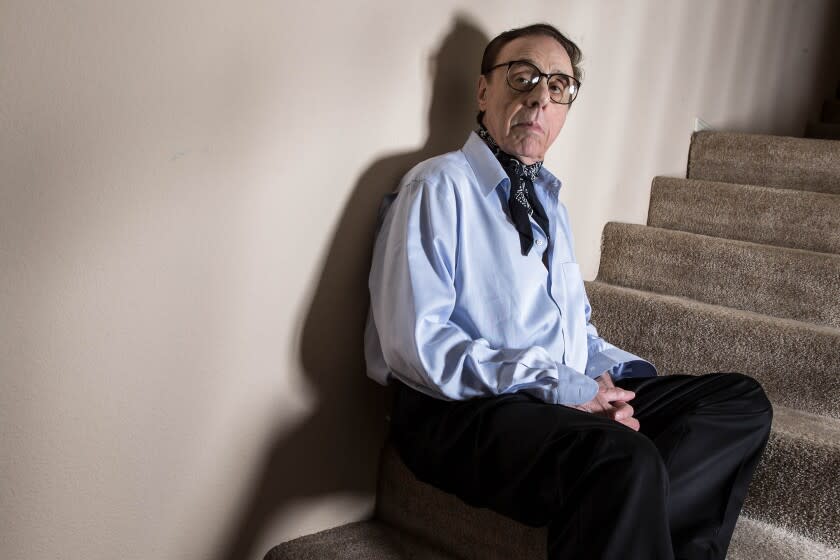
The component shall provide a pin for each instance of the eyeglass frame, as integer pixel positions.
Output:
(541, 75)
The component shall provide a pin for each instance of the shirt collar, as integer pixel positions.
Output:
(491, 174)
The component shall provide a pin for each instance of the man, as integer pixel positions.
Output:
(504, 391)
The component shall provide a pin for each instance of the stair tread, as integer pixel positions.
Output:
(807, 426)
(363, 540)
(778, 161)
(754, 539)
(714, 308)
(766, 215)
(779, 281)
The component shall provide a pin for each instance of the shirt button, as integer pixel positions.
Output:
(539, 242)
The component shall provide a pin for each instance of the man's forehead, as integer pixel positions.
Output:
(544, 51)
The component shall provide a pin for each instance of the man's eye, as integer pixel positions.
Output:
(521, 79)
(560, 82)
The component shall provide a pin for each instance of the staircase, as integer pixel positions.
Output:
(738, 269)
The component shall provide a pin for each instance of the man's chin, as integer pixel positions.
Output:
(528, 155)
(527, 146)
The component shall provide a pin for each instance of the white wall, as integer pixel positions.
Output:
(187, 192)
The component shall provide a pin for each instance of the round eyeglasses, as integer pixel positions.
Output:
(524, 76)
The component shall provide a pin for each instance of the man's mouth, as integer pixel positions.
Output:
(530, 125)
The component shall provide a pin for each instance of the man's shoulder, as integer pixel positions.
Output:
(450, 168)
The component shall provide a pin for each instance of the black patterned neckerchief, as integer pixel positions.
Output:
(522, 202)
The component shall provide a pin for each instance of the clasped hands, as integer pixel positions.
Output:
(612, 402)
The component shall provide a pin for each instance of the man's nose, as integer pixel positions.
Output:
(539, 96)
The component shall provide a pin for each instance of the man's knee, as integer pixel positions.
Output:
(630, 461)
(747, 396)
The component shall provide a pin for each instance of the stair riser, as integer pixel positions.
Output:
(796, 364)
(471, 533)
(773, 161)
(787, 283)
(779, 217)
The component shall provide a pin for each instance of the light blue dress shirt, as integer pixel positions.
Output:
(457, 312)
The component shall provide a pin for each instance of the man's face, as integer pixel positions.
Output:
(524, 124)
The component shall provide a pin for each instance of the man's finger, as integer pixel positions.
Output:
(622, 411)
(631, 423)
(616, 394)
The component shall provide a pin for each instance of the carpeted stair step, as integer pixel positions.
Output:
(481, 534)
(777, 281)
(364, 540)
(796, 362)
(795, 485)
(758, 540)
(823, 130)
(783, 217)
(771, 161)
(831, 111)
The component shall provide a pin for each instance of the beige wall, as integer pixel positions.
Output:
(187, 192)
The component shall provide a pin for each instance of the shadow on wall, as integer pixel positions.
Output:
(336, 449)
(828, 85)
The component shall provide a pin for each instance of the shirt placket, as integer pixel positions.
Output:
(549, 243)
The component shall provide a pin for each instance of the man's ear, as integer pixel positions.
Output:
(482, 93)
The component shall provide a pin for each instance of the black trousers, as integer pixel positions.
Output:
(672, 490)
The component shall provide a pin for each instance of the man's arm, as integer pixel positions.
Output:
(413, 296)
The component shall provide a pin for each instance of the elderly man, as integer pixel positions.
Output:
(505, 393)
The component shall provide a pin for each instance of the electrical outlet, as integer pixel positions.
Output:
(700, 124)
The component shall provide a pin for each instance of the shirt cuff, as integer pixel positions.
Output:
(574, 388)
(619, 363)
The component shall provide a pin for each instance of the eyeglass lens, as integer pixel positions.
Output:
(524, 76)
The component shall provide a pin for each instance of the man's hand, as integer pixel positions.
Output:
(612, 402)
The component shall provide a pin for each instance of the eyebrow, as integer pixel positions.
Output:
(532, 61)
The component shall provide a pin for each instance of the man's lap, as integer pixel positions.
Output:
(492, 452)
(661, 400)
(500, 447)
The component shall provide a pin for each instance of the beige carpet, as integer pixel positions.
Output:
(771, 161)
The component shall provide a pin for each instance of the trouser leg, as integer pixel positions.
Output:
(601, 488)
(710, 431)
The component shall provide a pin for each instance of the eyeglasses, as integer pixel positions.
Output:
(524, 76)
